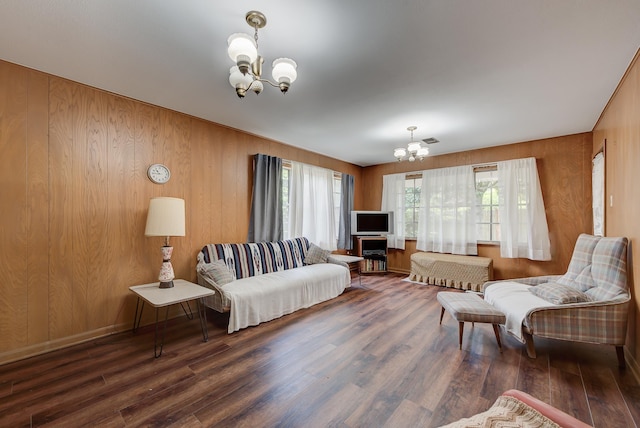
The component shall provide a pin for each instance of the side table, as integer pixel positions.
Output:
(352, 261)
(182, 292)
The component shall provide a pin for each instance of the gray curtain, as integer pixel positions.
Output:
(265, 221)
(346, 206)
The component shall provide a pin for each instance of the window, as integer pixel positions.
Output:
(337, 192)
(412, 186)
(286, 169)
(514, 218)
(488, 224)
(337, 195)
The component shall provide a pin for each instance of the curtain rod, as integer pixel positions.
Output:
(483, 165)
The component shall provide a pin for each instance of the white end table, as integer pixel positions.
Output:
(352, 261)
(182, 291)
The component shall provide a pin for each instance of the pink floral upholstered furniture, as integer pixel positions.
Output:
(589, 303)
(516, 408)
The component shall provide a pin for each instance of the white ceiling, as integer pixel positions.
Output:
(471, 73)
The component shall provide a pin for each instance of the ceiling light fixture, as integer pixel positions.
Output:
(246, 75)
(415, 149)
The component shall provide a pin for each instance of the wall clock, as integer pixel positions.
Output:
(158, 173)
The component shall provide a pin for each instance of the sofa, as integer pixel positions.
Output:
(589, 303)
(261, 281)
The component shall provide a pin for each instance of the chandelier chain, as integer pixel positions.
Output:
(255, 35)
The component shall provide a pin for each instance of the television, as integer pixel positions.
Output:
(371, 222)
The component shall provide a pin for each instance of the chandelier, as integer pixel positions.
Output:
(246, 75)
(415, 149)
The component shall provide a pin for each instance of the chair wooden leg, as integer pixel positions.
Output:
(461, 329)
(620, 354)
(496, 330)
(441, 314)
(531, 350)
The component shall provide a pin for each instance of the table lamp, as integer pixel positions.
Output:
(166, 218)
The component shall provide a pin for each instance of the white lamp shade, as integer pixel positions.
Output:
(422, 152)
(284, 70)
(242, 44)
(165, 217)
(256, 86)
(400, 153)
(237, 78)
(414, 146)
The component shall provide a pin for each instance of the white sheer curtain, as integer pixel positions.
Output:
(393, 199)
(523, 222)
(597, 187)
(447, 218)
(311, 209)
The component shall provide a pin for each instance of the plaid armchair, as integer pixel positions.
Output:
(598, 273)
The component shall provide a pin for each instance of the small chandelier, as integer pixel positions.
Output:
(246, 75)
(414, 148)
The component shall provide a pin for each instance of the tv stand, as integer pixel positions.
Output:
(373, 249)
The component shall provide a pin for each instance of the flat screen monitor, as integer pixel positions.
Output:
(371, 222)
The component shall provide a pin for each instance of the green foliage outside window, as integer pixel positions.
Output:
(488, 221)
(412, 206)
(488, 224)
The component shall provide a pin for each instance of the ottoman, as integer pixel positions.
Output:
(469, 307)
(451, 270)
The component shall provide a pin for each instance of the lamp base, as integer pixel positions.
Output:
(166, 270)
(166, 284)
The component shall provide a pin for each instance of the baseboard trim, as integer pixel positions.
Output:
(632, 364)
(65, 342)
(395, 270)
(76, 339)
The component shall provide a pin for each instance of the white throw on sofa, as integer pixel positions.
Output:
(258, 282)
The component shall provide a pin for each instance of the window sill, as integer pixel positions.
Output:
(487, 243)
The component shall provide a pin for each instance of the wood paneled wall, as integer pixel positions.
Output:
(564, 167)
(74, 197)
(619, 125)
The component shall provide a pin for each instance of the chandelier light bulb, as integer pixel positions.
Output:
(239, 81)
(242, 50)
(422, 152)
(284, 70)
(237, 78)
(414, 146)
(400, 153)
(257, 87)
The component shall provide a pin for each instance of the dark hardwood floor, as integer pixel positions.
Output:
(374, 356)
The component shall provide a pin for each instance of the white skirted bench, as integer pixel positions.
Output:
(451, 270)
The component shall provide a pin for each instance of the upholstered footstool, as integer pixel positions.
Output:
(468, 307)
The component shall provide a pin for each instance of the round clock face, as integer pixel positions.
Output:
(158, 173)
